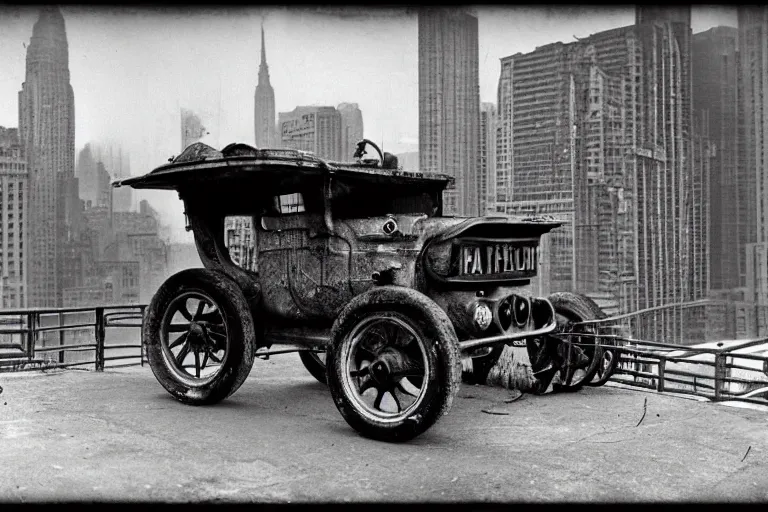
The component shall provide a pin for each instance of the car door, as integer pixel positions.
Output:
(303, 269)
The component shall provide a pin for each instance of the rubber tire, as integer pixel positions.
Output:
(240, 330)
(314, 367)
(577, 307)
(598, 381)
(443, 356)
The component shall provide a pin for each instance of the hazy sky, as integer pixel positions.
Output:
(132, 69)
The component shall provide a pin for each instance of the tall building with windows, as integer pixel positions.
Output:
(449, 103)
(14, 200)
(351, 129)
(753, 87)
(264, 104)
(716, 106)
(47, 130)
(486, 183)
(560, 143)
(314, 129)
(664, 184)
(753, 133)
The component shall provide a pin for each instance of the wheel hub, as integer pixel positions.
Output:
(388, 368)
(196, 336)
(380, 372)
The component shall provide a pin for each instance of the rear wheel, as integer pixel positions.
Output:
(580, 358)
(314, 362)
(607, 365)
(199, 336)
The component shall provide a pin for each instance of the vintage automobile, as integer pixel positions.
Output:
(354, 266)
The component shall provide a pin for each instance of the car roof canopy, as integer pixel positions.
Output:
(201, 165)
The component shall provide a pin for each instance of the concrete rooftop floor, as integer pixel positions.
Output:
(118, 436)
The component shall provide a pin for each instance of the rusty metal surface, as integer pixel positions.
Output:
(201, 161)
(307, 274)
(310, 263)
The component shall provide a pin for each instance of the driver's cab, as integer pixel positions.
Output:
(288, 244)
(303, 243)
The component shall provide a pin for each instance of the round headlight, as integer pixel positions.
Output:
(522, 310)
(482, 316)
(505, 314)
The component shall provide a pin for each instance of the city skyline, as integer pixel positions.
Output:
(635, 79)
(541, 26)
(353, 71)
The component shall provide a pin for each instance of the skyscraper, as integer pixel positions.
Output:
(264, 104)
(14, 221)
(753, 132)
(449, 103)
(487, 159)
(665, 193)
(314, 129)
(715, 104)
(47, 128)
(563, 127)
(351, 129)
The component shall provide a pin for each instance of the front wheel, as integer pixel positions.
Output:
(393, 367)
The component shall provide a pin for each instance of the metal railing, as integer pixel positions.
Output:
(724, 370)
(42, 338)
(717, 370)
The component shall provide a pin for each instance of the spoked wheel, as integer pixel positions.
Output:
(580, 357)
(392, 368)
(195, 341)
(606, 367)
(314, 362)
(578, 364)
(199, 336)
(384, 368)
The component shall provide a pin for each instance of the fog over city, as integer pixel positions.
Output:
(133, 69)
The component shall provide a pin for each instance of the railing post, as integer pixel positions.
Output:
(662, 365)
(141, 336)
(719, 374)
(61, 337)
(31, 338)
(100, 339)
